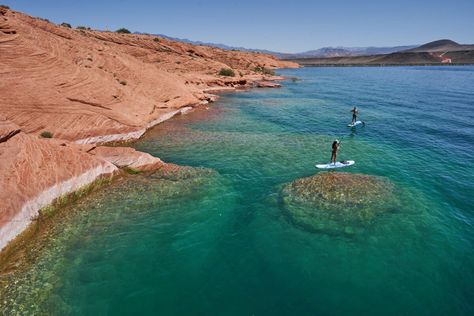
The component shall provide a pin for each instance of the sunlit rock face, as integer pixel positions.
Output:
(336, 202)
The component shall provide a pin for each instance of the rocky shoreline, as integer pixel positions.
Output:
(65, 92)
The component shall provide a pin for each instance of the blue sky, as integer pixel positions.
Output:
(285, 26)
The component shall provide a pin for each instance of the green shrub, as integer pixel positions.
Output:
(46, 134)
(83, 28)
(156, 39)
(66, 25)
(4, 6)
(226, 72)
(123, 31)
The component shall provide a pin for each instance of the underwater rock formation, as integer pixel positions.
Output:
(337, 202)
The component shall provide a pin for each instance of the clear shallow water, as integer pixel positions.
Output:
(217, 242)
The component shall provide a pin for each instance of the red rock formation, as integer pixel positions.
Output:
(126, 157)
(34, 172)
(81, 84)
(92, 87)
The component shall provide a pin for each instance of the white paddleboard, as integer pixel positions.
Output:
(338, 164)
(355, 124)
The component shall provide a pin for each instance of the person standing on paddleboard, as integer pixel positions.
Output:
(355, 112)
(335, 147)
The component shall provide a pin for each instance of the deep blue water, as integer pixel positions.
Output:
(217, 241)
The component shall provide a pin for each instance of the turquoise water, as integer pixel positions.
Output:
(216, 241)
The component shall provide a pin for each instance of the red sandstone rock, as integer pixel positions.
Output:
(8, 130)
(126, 157)
(34, 172)
(88, 85)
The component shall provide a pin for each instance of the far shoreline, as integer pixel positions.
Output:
(380, 65)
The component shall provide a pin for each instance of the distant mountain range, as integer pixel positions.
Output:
(443, 51)
(433, 53)
(218, 45)
(321, 52)
(345, 51)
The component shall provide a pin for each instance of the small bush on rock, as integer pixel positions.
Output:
(66, 25)
(123, 31)
(46, 134)
(226, 72)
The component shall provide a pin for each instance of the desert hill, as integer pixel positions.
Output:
(444, 45)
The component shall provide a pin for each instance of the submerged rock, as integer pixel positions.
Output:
(267, 84)
(336, 202)
(171, 181)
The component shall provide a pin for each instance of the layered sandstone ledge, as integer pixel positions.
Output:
(86, 88)
(91, 86)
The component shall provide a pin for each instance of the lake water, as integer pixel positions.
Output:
(216, 241)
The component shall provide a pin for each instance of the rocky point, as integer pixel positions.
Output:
(63, 91)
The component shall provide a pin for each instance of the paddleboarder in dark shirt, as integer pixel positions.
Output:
(355, 112)
(335, 147)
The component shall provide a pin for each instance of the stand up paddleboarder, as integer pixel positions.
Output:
(355, 112)
(335, 147)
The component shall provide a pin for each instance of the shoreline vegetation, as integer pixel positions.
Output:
(94, 88)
